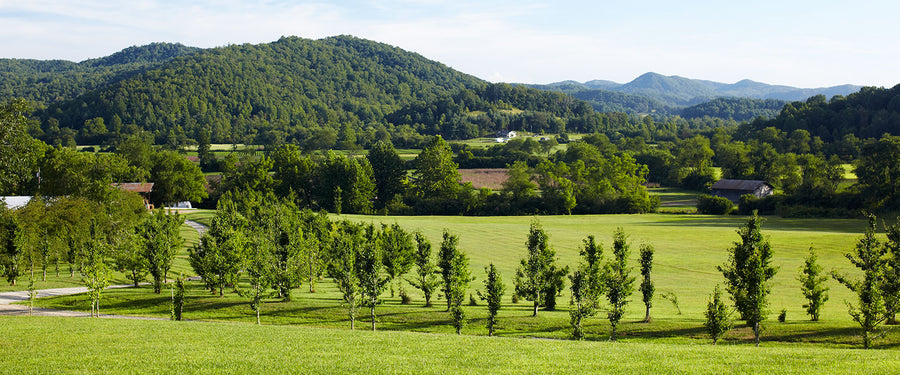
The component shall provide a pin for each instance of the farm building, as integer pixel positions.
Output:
(734, 189)
(16, 201)
(142, 188)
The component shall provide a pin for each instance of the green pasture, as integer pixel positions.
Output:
(45, 345)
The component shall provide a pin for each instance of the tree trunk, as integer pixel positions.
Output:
(647, 318)
(352, 323)
(373, 316)
(134, 277)
(536, 304)
(756, 332)
(44, 276)
(256, 298)
(612, 335)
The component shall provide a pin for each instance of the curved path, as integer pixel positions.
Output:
(8, 298)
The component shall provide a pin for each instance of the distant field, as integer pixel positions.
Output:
(45, 345)
(491, 178)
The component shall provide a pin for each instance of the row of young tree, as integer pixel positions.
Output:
(749, 271)
(92, 238)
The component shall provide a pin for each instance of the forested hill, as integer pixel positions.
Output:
(869, 113)
(55, 80)
(342, 92)
(738, 109)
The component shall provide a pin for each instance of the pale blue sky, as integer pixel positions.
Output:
(796, 43)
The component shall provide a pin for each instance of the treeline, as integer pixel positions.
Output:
(580, 180)
(738, 109)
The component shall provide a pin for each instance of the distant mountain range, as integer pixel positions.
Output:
(656, 93)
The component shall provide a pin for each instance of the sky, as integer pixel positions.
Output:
(789, 42)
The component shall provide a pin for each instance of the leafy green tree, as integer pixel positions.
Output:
(176, 179)
(426, 281)
(877, 172)
(129, 258)
(619, 282)
(459, 285)
(251, 174)
(178, 299)
(95, 272)
(518, 185)
(890, 287)
(370, 270)
(13, 253)
(647, 284)
(19, 154)
(342, 266)
(161, 239)
(436, 174)
(493, 295)
(446, 254)
(718, 318)
(869, 257)
(219, 255)
(812, 285)
(289, 244)
(587, 286)
(388, 171)
(534, 277)
(748, 274)
(293, 173)
(259, 264)
(397, 248)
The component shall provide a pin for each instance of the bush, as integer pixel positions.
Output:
(710, 205)
(783, 316)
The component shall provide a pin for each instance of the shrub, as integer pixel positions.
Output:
(710, 205)
(783, 316)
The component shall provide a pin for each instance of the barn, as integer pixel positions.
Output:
(734, 189)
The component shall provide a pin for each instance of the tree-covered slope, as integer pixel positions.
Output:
(288, 85)
(56, 80)
(871, 112)
(738, 109)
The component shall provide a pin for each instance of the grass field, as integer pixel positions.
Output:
(688, 248)
(117, 346)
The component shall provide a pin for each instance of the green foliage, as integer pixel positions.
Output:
(178, 299)
(812, 285)
(869, 257)
(427, 281)
(718, 318)
(647, 287)
(161, 240)
(388, 171)
(619, 282)
(890, 287)
(877, 172)
(397, 250)
(371, 270)
(538, 270)
(738, 109)
(748, 273)
(20, 154)
(436, 174)
(459, 284)
(176, 179)
(342, 267)
(493, 295)
(587, 286)
(712, 205)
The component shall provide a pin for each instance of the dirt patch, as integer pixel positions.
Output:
(491, 178)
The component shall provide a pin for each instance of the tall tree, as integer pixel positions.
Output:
(95, 273)
(426, 281)
(446, 254)
(176, 179)
(459, 285)
(890, 287)
(389, 173)
(13, 254)
(587, 286)
(397, 249)
(748, 274)
(161, 239)
(647, 284)
(877, 170)
(129, 258)
(260, 266)
(19, 153)
(493, 295)
(619, 282)
(536, 270)
(812, 285)
(436, 174)
(342, 266)
(868, 256)
(370, 271)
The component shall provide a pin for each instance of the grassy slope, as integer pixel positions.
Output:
(113, 346)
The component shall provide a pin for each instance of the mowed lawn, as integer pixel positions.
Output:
(45, 345)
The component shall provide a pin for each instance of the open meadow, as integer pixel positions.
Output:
(688, 249)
